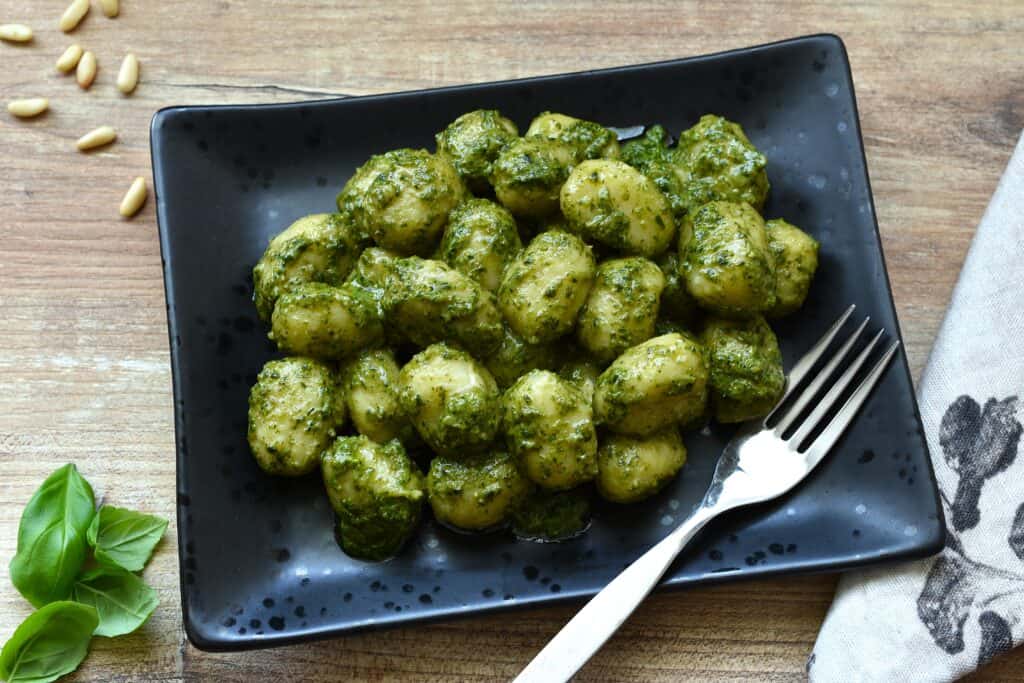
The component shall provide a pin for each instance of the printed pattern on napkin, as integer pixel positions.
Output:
(940, 618)
(977, 443)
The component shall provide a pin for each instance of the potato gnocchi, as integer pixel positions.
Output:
(531, 318)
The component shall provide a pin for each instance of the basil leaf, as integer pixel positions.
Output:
(52, 642)
(124, 538)
(123, 600)
(51, 537)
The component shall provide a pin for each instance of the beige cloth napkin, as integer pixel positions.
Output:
(941, 618)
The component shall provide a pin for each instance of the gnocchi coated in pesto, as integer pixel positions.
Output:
(534, 318)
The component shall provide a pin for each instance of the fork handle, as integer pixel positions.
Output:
(601, 617)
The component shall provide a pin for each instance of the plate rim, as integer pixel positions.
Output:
(929, 543)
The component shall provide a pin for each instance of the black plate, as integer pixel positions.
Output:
(259, 564)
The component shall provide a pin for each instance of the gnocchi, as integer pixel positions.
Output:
(621, 308)
(377, 493)
(746, 373)
(372, 396)
(544, 289)
(796, 259)
(480, 241)
(612, 203)
(294, 408)
(529, 173)
(318, 248)
(587, 139)
(473, 142)
(451, 399)
(429, 302)
(726, 261)
(632, 468)
(652, 386)
(324, 322)
(527, 376)
(401, 199)
(476, 493)
(549, 427)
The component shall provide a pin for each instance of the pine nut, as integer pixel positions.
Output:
(134, 198)
(73, 14)
(86, 71)
(103, 135)
(26, 109)
(69, 60)
(128, 76)
(15, 33)
(109, 8)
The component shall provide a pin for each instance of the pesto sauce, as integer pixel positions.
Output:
(552, 515)
(747, 377)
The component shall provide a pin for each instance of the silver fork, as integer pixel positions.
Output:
(760, 463)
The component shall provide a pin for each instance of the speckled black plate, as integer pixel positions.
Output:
(259, 563)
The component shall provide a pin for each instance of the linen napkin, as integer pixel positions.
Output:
(940, 618)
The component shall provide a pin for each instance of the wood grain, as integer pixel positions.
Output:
(84, 371)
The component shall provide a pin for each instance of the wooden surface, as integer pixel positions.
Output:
(84, 373)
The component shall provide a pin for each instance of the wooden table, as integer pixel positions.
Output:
(84, 373)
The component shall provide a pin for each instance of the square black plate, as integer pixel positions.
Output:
(259, 564)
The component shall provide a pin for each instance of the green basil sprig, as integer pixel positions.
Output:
(123, 600)
(51, 537)
(58, 528)
(52, 642)
(124, 538)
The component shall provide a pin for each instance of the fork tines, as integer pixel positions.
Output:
(804, 395)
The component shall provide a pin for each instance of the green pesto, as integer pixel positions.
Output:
(726, 261)
(372, 274)
(480, 240)
(622, 307)
(747, 378)
(653, 385)
(294, 408)
(719, 163)
(473, 141)
(651, 156)
(632, 468)
(552, 515)
(372, 390)
(475, 493)
(544, 289)
(528, 175)
(582, 373)
(452, 400)
(549, 427)
(401, 199)
(796, 260)
(677, 304)
(610, 202)
(377, 493)
(318, 248)
(589, 140)
(515, 357)
(318, 320)
(428, 301)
